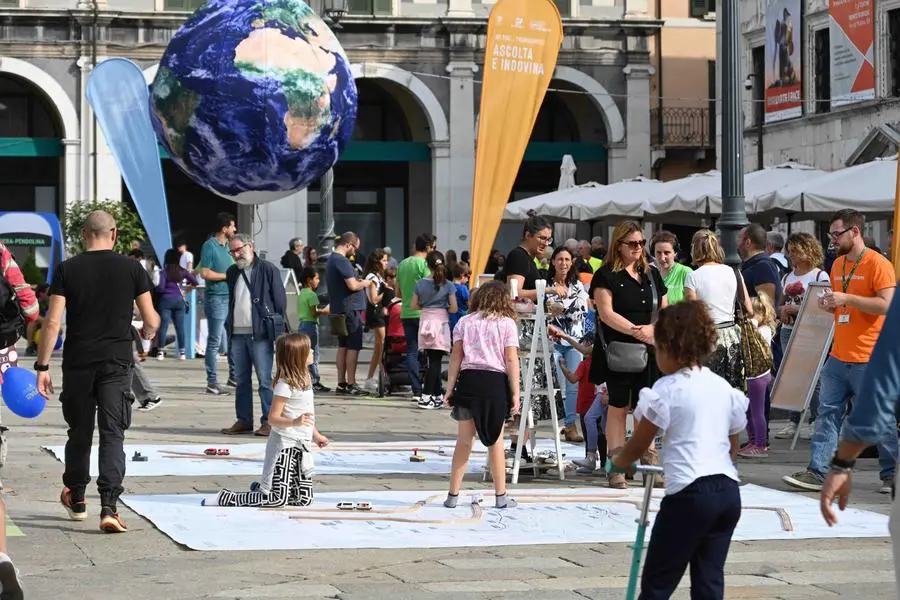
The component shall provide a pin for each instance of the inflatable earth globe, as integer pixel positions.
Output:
(254, 99)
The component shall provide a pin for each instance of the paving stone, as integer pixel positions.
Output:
(819, 578)
(282, 590)
(496, 585)
(428, 572)
(540, 563)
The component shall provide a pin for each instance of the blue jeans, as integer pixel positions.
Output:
(312, 332)
(597, 412)
(171, 310)
(785, 337)
(840, 382)
(216, 310)
(252, 355)
(411, 333)
(573, 359)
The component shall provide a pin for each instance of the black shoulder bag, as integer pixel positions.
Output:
(629, 357)
(273, 323)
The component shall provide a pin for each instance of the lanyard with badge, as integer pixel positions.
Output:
(844, 317)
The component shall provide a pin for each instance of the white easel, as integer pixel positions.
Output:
(540, 346)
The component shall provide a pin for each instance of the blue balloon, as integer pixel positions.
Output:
(59, 341)
(21, 394)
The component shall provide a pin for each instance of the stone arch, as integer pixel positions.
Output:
(437, 119)
(45, 82)
(612, 118)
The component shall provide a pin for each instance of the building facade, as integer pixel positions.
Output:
(410, 165)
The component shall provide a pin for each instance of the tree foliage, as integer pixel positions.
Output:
(128, 224)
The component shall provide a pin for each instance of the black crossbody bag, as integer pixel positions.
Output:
(629, 357)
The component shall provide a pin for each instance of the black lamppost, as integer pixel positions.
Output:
(332, 11)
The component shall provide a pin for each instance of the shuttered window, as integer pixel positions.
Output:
(370, 7)
(701, 8)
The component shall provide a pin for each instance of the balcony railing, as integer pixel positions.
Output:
(682, 128)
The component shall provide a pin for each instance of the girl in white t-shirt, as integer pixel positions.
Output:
(288, 466)
(764, 319)
(483, 385)
(699, 416)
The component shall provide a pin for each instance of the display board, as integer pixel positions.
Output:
(809, 345)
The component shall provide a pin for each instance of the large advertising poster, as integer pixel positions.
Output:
(783, 63)
(852, 47)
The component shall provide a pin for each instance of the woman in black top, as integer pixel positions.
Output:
(624, 299)
(519, 266)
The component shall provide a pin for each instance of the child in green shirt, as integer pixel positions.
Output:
(309, 312)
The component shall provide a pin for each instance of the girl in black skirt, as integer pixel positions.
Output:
(483, 384)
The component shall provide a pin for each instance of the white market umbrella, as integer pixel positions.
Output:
(557, 204)
(686, 196)
(869, 188)
(566, 173)
(621, 199)
(761, 187)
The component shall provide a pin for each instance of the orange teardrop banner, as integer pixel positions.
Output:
(523, 41)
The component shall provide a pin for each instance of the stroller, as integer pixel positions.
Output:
(393, 373)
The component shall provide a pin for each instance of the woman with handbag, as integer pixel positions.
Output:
(717, 285)
(628, 294)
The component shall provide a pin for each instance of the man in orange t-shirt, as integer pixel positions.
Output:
(862, 286)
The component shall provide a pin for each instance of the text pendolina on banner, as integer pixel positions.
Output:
(523, 41)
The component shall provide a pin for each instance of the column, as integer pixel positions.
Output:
(279, 221)
(71, 181)
(461, 165)
(84, 189)
(442, 207)
(637, 119)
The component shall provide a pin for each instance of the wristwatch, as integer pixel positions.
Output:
(39, 367)
(839, 465)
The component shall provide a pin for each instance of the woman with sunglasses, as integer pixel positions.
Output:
(628, 294)
(715, 283)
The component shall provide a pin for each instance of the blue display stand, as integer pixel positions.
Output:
(190, 324)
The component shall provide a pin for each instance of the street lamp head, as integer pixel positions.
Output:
(335, 10)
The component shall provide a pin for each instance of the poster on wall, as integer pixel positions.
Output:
(783, 64)
(852, 47)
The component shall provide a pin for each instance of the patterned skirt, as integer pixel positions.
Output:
(727, 361)
(540, 404)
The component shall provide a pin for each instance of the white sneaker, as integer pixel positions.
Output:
(437, 402)
(10, 583)
(587, 464)
(161, 355)
(425, 402)
(371, 385)
(787, 432)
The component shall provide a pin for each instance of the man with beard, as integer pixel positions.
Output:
(255, 320)
(862, 286)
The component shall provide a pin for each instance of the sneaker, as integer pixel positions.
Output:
(320, 389)
(110, 521)
(425, 402)
(787, 432)
(370, 385)
(10, 583)
(181, 356)
(343, 390)
(588, 464)
(355, 390)
(806, 432)
(231, 382)
(161, 355)
(887, 485)
(437, 402)
(216, 390)
(77, 510)
(804, 480)
(150, 404)
(753, 451)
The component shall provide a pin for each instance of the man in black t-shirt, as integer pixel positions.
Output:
(97, 290)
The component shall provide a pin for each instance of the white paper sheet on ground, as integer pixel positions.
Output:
(545, 516)
(359, 458)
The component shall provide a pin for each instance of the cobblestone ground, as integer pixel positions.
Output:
(59, 558)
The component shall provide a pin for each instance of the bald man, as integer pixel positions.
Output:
(97, 290)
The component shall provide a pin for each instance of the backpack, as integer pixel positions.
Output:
(12, 321)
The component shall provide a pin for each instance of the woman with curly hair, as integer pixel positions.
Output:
(806, 256)
(716, 284)
(699, 416)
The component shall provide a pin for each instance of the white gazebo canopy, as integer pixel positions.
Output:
(869, 187)
(556, 204)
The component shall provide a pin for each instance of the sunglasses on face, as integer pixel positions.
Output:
(634, 244)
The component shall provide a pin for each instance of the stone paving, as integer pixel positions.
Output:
(58, 557)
